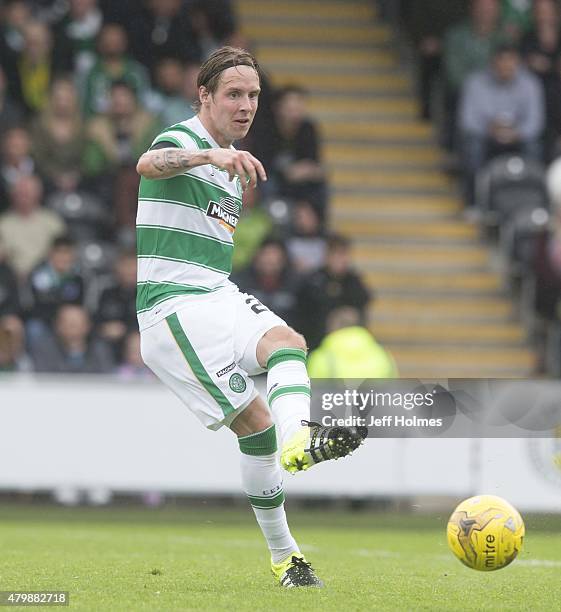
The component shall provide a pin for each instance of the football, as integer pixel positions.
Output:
(485, 533)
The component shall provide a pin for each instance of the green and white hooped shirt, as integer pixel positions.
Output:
(184, 229)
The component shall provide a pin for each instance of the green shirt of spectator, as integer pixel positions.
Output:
(101, 78)
(516, 16)
(469, 45)
(465, 51)
(112, 65)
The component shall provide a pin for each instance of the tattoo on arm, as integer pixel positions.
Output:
(173, 159)
(158, 162)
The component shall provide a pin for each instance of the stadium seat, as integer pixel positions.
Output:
(517, 238)
(97, 257)
(508, 184)
(553, 349)
(84, 214)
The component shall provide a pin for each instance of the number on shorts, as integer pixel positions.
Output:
(257, 307)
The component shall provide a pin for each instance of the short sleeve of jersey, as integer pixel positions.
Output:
(163, 144)
(179, 138)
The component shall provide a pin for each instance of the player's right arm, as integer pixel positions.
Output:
(169, 162)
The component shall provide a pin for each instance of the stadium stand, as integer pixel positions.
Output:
(442, 305)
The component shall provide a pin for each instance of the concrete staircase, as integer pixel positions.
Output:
(441, 307)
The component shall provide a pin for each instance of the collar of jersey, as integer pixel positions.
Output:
(197, 126)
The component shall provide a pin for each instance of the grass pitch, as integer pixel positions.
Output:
(171, 559)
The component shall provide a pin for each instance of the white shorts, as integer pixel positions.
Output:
(206, 351)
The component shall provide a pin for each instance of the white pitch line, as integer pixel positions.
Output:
(538, 563)
(366, 552)
(380, 552)
(359, 552)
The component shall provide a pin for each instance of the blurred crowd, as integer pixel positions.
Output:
(490, 72)
(489, 75)
(85, 86)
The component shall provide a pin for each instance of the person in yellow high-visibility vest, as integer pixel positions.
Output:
(350, 351)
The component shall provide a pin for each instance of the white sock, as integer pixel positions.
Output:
(275, 528)
(262, 483)
(288, 390)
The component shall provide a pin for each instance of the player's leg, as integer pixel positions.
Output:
(262, 477)
(197, 362)
(262, 482)
(283, 352)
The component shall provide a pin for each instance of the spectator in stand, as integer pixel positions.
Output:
(349, 350)
(58, 138)
(54, 282)
(547, 267)
(163, 30)
(8, 352)
(541, 46)
(132, 367)
(502, 109)
(271, 280)
(113, 65)
(553, 125)
(48, 11)
(36, 66)
(125, 12)
(27, 229)
(75, 36)
(306, 244)
(255, 226)
(213, 24)
(10, 112)
(115, 142)
(176, 91)
(541, 49)
(263, 129)
(71, 349)
(468, 46)
(330, 287)
(292, 157)
(189, 90)
(548, 253)
(9, 292)
(427, 23)
(11, 326)
(14, 15)
(516, 18)
(116, 311)
(119, 136)
(16, 161)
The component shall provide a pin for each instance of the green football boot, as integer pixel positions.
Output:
(314, 443)
(294, 572)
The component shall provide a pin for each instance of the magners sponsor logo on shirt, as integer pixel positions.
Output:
(226, 210)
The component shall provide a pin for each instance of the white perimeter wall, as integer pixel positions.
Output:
(100, 433)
